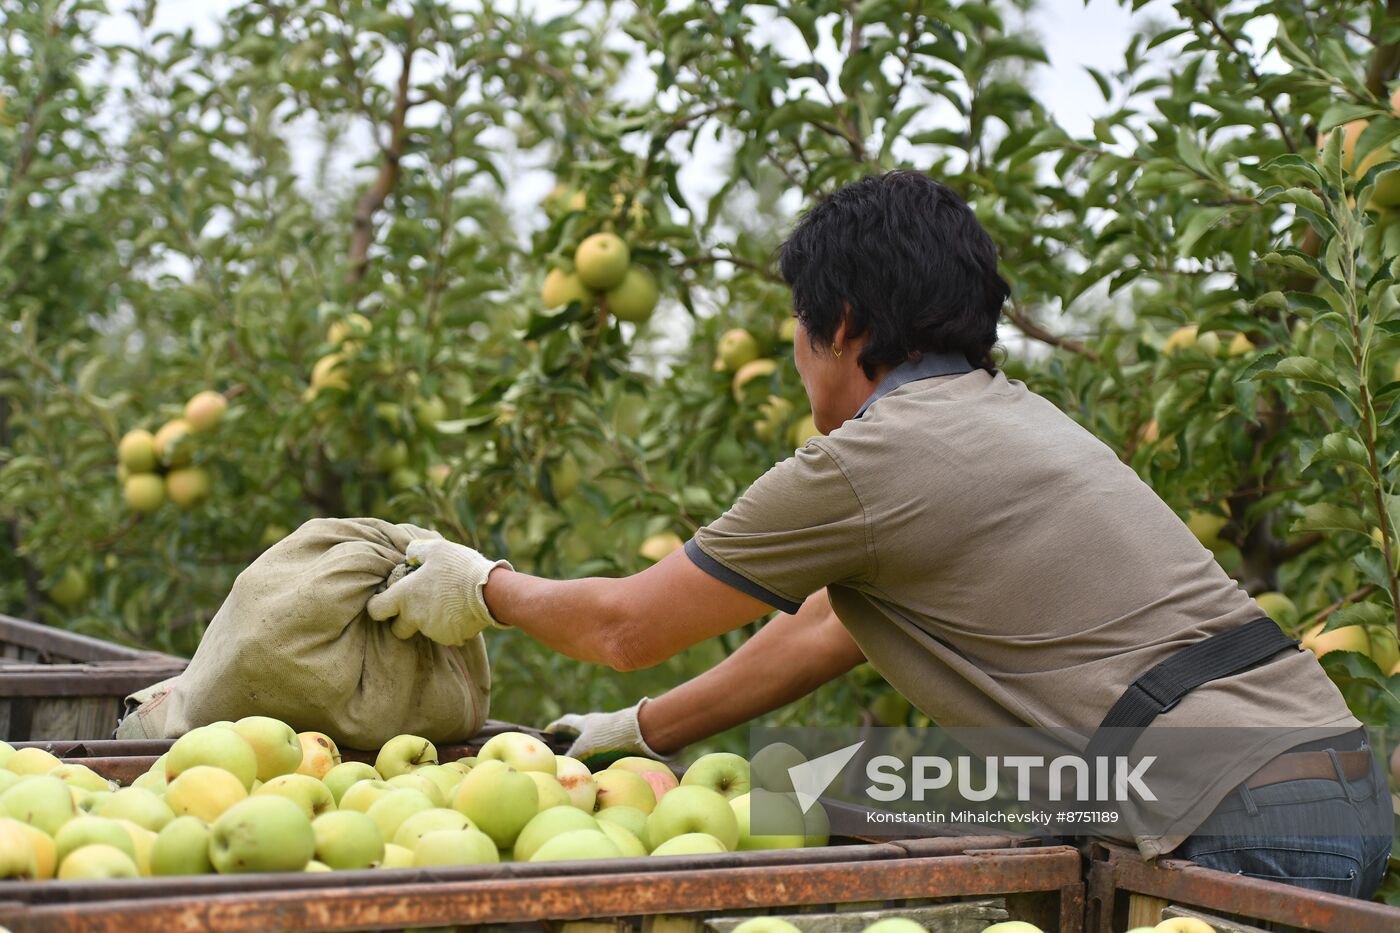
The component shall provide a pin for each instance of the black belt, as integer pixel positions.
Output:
(1162, 687)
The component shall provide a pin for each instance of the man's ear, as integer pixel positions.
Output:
(838, 339)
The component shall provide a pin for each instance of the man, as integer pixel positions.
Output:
(992, 559)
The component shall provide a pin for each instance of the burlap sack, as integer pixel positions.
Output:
(293, 641)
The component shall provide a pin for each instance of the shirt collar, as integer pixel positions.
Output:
(927, 366)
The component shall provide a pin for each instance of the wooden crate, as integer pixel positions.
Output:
(959, 883)
(64, 686)
(1123, 890)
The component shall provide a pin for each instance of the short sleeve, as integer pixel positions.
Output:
(798, 528)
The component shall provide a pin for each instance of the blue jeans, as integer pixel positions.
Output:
(1324, 835)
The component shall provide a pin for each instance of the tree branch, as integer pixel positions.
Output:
(362, 233)
(1386, 62)
(1034, 331)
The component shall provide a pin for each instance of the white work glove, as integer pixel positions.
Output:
(442, 597)
(602, 738)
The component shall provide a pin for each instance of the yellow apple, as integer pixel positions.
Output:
(172, 446)
(205, 410)
(522, 752)
(17, 856)
(217, 747)
(31, 760)
(1346, 638)
(305, 791)
(396, 857)
(547, 824)
(577, 844)
(577, 781)
(455, 847)
(140, 806)
(419, 824)
(318, 754)
(659, 545)
(623, 789)
(187, 486)
(404, 753)
(340, 778)
(205, 792)
(759, 369)
(690, 844)
(97, 863)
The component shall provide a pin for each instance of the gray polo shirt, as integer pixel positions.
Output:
(999, 566)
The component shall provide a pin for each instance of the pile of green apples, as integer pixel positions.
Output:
(256, 796)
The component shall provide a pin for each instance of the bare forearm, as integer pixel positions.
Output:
(625, 623)
(790, 657)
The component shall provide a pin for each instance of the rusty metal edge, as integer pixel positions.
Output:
(1192, 885)
(71, 644)
(513, 899)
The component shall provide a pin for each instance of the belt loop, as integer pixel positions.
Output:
(1341, 776)
(1247, 797)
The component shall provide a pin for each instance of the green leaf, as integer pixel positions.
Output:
(1324, 516)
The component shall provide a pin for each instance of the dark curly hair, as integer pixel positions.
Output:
(911, 259)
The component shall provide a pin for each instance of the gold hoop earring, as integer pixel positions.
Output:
(836, 351)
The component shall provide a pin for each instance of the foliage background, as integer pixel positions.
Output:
(158, 238)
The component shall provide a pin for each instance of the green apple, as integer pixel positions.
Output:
(629, 818)
(419, 824)
(736, 347)
(17, 856)
(551, 792)
(318, 754)
(816, 826)
(692, 809)
(404, 753)
(45, 852)
(690, 844)
(766, 925)
(96, 863)
(1191, 925)
(779, 819)
(142, 807)
(577, 781)
(315, 866)
(424, 785)
(722, 772)
(311, 795)
(75, 775)
(455, 847)
(153, 781)
(629, 844)
(91, 830)
(601, 260)
(547, 824)
(346, 839)
(771, 765)
(216, 747)
(903, 925)
(623, 789)
(182, 848)
(8, 779)
(339, 779)
(498, 799)
(396, 806)
(522, 752)
(462, 766)
(91, 800)
(274, 744)
(31, 761)
(362, 794)
(577, 844)
(6, 750)
(396, 857)
(634, 298)
(42, 802)
(267, 833)
(444, 777)
(205, 792)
